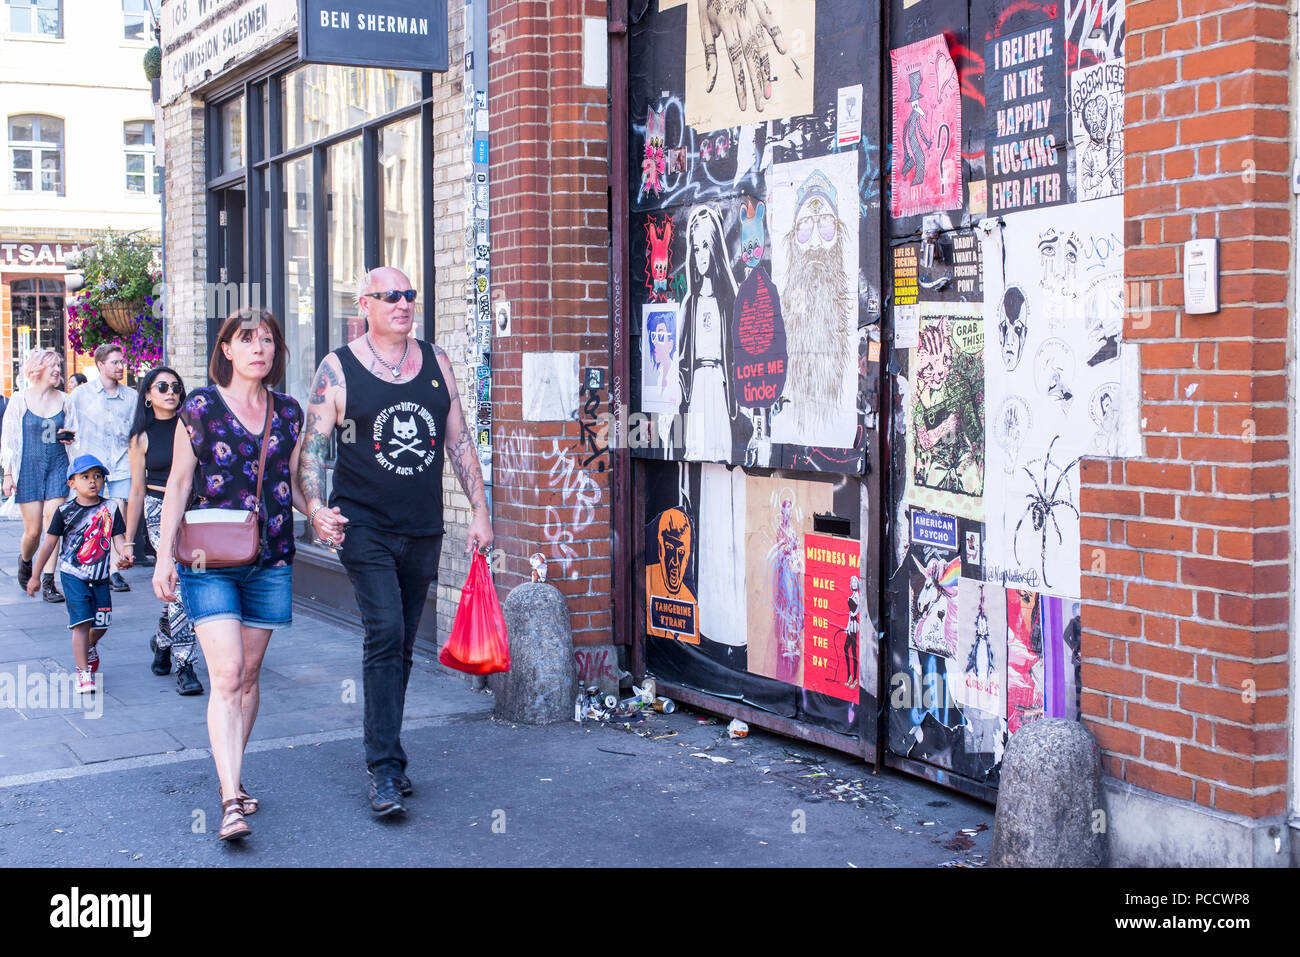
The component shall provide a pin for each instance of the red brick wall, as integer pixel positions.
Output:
(1186, 551)
(550, 261)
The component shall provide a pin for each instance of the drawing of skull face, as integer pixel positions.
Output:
(1013, 326)
(405, 431)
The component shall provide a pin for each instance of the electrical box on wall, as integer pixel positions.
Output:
(1200, 276)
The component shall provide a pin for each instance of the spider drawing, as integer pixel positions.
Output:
(1042, 506)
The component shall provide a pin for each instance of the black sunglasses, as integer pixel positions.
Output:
(392, 295)
(164, 387)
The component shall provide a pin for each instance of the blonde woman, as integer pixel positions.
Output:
(39, 424)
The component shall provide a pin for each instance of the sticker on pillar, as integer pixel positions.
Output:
(748, 61)
(832, 615)
(480, 151)
(1025, 689)
(813, 206)
(670, 595)
(927, 173)
(848, 115)
(1097, 129)
(501, 325)
(661, 389)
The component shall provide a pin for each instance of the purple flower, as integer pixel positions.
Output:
(248, 500)
(216, 483)
(222, 453)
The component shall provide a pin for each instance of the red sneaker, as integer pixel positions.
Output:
(92, 660)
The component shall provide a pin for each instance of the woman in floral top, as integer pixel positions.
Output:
(234, 610)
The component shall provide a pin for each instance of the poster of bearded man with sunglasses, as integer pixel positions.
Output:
(814, 209)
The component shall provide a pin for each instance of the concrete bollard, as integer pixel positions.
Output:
(542, 682)
(1050, 811)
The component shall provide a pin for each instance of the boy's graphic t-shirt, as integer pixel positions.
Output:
(87, 532)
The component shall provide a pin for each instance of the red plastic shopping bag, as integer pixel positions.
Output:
(478, 644)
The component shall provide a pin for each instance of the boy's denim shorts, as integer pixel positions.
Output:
(255, 595)
(87, 601)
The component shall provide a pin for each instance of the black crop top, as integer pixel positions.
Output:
(158, 456)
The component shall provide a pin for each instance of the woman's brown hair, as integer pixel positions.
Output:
(220, 369)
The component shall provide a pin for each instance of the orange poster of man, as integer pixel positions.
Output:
(670, 608)
(832, 599)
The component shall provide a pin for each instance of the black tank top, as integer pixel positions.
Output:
(158, 456)
(389, 476)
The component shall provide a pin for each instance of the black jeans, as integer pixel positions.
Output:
(390, 577)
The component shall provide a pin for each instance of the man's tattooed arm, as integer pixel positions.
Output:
(322, 416)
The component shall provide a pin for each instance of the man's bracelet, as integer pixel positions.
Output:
(311, 519)
(130, 545)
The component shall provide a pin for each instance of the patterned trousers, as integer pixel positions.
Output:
(174, 628)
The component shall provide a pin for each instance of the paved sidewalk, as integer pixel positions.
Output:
(136, 786)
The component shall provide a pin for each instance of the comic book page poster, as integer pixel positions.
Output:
(926, 174)
(661, 389)
(978, 678)
(1054, 308)
(945, 411)
(813, 205)
(832, 617)
(1026, 698)
(1097, 129)
(778, 516)
(748, 61)
(671, 610)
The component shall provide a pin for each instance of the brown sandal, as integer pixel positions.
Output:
(247, 802)
(233, 825)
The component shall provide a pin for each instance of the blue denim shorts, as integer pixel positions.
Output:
(255, 595)
(87, 601)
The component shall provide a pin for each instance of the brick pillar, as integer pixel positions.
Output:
(187, 241)
(550, 261)
(1186, 551)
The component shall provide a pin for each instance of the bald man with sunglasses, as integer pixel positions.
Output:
(393, 404)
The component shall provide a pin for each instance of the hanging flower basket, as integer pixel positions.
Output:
(122, 317)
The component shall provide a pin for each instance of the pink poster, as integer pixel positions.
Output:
(926, 169)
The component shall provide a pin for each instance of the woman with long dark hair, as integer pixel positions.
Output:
(152, 437)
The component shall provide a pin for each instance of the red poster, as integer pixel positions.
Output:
(832, 618)
(926, 173)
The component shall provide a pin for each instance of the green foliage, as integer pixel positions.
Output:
(153, 63)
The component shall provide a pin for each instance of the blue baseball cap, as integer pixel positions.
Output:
(84, 463)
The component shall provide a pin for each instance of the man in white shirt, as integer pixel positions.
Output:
(105, 408)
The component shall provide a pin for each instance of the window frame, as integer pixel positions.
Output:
(38, 148)
(149, 151)
(34, 9)
(147, 19)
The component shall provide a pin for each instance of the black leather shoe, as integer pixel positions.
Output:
(404, 785)
(117, 583)
(48, 591)
(24, 572)
(187, 682)
(162, 658)
(384, 797)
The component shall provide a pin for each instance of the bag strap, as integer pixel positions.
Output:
(266, 434)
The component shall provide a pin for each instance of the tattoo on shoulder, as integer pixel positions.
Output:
(326, 378)
(438, 351)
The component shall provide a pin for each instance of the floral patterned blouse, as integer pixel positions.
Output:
(227, 473)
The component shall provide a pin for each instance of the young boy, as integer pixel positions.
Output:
(86, 524)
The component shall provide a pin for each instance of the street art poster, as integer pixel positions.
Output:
(671, 609)
(1094, 32)
(758, 345)
(1025, 103)
(1054, 307)
(978, 679)
(778, 516)
(813, 206)
(661, 389)
(832, 615)
(721, 549)
(1026, 696)
(1062, 638)
(658, 258)
(945, 413)
(932, 625)
(926, 174)
(654, 159)
(748, 61)
(1097, 129)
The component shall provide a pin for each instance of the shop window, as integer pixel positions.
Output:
(401, 221)
(230, 129)
(36, 154)
(299, 270)
(137, 135)
(135, 19)
(37, 319)
(322, 100)
(42, 18)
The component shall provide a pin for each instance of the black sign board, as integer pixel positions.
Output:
(389, 34)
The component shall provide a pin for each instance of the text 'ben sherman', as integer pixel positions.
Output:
(375, 23)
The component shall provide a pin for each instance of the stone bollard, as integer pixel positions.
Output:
(1050, 811)
(542, 682)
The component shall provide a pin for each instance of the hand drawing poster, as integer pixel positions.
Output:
(832, 621)
(926, 174)
(945, 411)
(1025, 103)
(778, 516)
(813, 206)
(748, 61)
(1054, 313)
(661, 388)
(670, 605)
(1097, 129)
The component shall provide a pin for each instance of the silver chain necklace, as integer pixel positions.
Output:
(397, 369)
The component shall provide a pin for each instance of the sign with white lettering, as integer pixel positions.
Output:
(203, 37)
(392, 34)
(36, 253)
